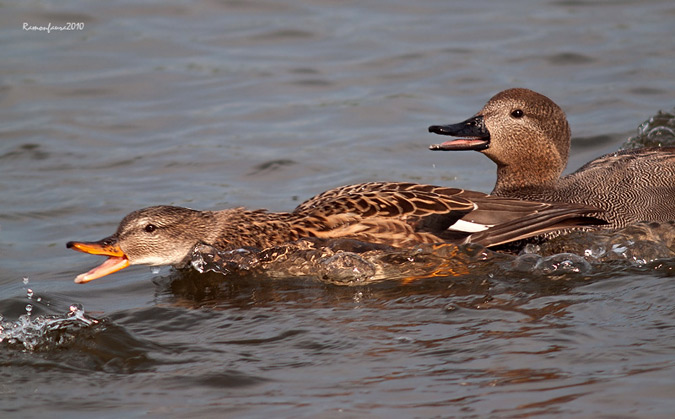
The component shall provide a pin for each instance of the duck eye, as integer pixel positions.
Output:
(518, 113)
(150, 228)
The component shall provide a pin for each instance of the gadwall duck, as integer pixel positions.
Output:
(394, 214)
(528, 136)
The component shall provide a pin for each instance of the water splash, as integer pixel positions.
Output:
(31, 333)
(347, 262)
(44, 331)
(585, 253)
(637, 244)
(659, 130)
(558, 264)
(341, 261)
(347, 267)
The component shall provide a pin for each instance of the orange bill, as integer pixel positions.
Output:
(116, 261)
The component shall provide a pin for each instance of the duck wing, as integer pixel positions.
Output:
(510, 219)
(401, 214)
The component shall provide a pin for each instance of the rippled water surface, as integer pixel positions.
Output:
(214, 104)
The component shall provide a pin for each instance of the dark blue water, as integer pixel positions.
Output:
(262, 104)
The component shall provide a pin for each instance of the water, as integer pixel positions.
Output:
(263, 104)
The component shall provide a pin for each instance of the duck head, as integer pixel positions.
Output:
(524, 132)
(160, 235)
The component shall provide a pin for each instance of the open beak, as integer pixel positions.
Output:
(474, 133)
(116, 261)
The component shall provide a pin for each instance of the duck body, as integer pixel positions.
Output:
(389, 213)
(528, 137)
(630, 186)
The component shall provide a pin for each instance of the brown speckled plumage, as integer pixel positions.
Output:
(394, 214)
(531, 150)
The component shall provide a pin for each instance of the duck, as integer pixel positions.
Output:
(386, 213)
(527, 135)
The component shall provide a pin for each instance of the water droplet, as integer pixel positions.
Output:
(619, 249)
(527, 262)
(564, 263)
(596, 251)
(25, 280)
(29, 308)
(450, 308)
(75, 308)
(531, 248)
(29, 293)
(639, 262)
(346, 267)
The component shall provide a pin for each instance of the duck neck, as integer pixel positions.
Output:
(239, 227)
(531, 174)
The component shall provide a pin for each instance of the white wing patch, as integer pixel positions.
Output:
(468, 226)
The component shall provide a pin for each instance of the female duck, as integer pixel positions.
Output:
(394, 214)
